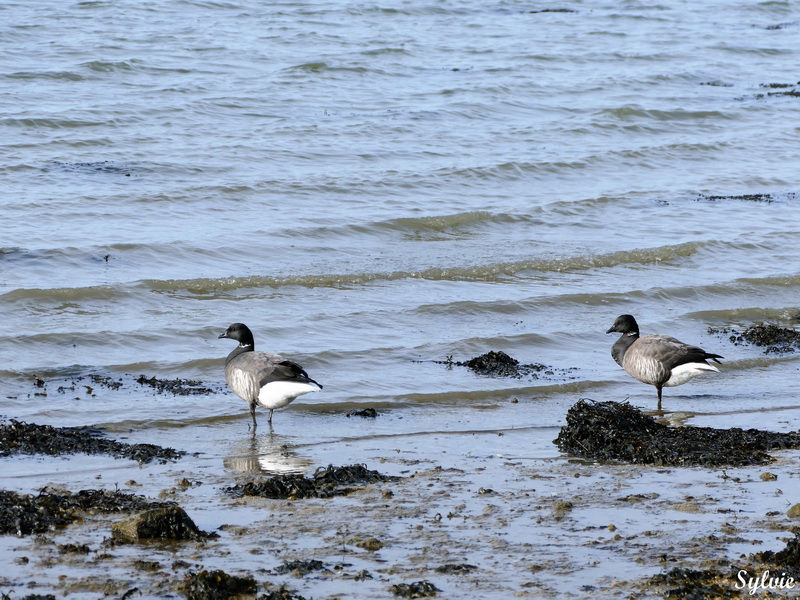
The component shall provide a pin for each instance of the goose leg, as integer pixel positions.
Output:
(253, 415)
(659, 397)
(269, 420)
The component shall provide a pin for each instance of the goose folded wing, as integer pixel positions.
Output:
(285, 370)
(673, 353)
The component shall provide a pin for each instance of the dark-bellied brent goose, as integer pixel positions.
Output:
(659, 360)
(263, 378)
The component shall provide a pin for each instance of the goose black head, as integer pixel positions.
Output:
(624, 324)
(240, 333)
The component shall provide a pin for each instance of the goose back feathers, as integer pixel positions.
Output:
(263, 378)
(659, 360)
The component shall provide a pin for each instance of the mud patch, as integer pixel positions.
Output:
(22, 514)
(17, 437)
(499, 364)
(773, 339)
(613, 431)
(327, 482)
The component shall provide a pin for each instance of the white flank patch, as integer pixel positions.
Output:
(278, 394)
(684, 373)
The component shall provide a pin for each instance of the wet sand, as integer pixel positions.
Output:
(471, 514)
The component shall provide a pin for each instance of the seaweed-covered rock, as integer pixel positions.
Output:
(618, 432)
(164, 523)
(22, 514)
(325, 483)
(216, 585)
(17, 437)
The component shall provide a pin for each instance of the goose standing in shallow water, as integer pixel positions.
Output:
(659, 360)
(263, 378)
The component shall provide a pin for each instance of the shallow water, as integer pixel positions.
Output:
(373, 189)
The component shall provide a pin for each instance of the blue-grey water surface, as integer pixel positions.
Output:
(375, 187)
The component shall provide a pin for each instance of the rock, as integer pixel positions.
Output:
(370, 544)
(794, 512)
(168, 523)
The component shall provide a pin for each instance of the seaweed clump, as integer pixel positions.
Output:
(325, 483)
(787, 559)
(178, 387)
(695, 584)
(455, 568)
(24, 514)
(281, 593)
(745, 197)
(365, 413)
(499, 364)
(17, 437)
(300, 567)
(418, 589)
(216, 585)
(774, 339)
(614, 431)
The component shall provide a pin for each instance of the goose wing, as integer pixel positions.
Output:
(280, 369)
(672, 352)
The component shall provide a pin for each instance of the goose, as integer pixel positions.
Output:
(659, 360)
(263, 378)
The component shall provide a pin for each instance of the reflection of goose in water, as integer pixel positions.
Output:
(267, 454)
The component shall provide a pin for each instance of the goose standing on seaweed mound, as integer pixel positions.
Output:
(659, 360)
(263, 378)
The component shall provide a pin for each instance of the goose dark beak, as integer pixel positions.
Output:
(224, 334)
(611, 330)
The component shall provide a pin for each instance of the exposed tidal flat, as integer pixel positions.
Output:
(463, 512)
(384, 193)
